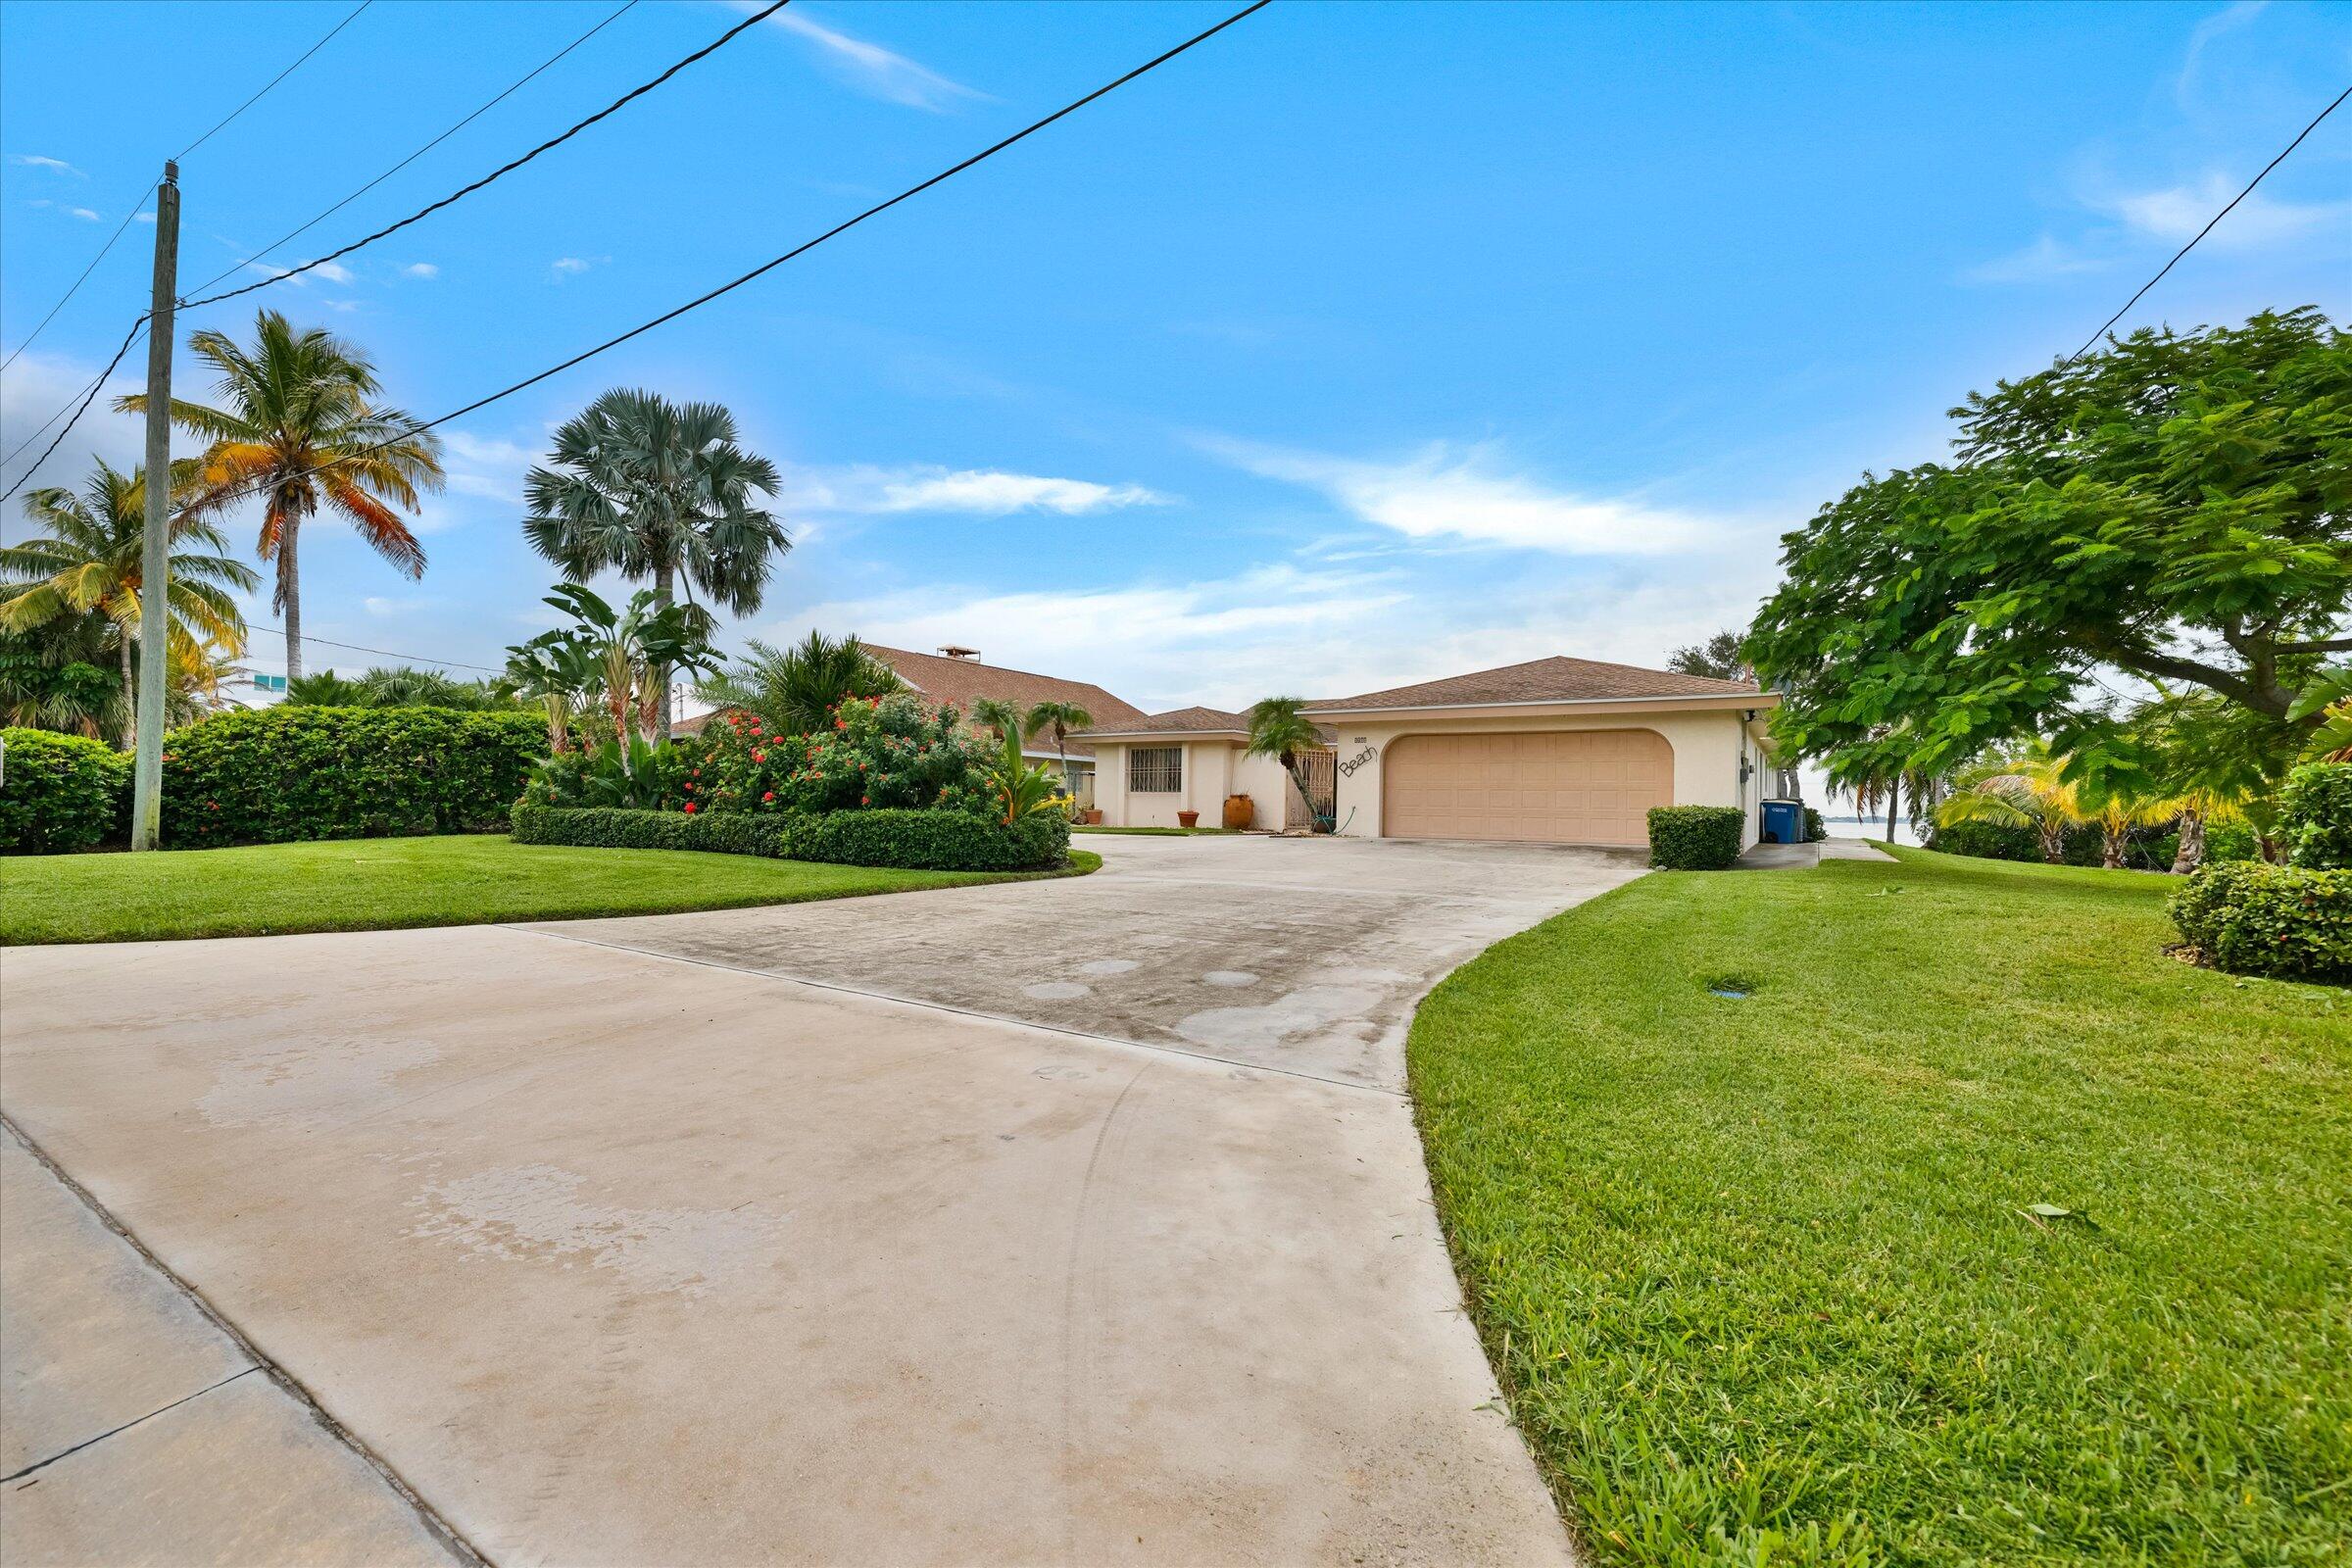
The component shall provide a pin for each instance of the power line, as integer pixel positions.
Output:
(274, 80)
(504, 169)
(2208, 228)
(609, 18)
(88, 396)
(383, 652)
(76, 287)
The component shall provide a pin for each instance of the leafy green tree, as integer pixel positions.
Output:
(796, 689)
(657, 492)
(88, 560)
(1278, 729)
(631, 651)
(559, 675)
(57, 679)
(297, 427)
(1717, 658)
(2174, 506)
(1059, 719)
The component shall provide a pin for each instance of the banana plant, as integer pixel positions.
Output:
(1014, 785)
(631, 651)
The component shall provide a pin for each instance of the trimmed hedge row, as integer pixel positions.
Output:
(1695, 838)
(59, 793)
(911, 839)
(273, 775)
(2281, 920)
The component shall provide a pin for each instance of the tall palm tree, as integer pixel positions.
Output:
(796, 689)
(996, 715)
(1278, 729)
(89, 561)
(1061, 718)
(653, 489)
(296, 424)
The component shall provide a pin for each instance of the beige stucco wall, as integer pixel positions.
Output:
(1209, 772)
(1708, 746)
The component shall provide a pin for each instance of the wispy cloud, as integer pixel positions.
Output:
(83, 213)
(2048, 258)
(2143, 223)
(489, 466)
(563, 267)
(873, 69)
(978, 492)
(334, 271)
(2227, 20)
(54, 165)
(1446, 491)
(71, 211)
(420, 270)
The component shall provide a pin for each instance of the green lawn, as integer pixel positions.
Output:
(373, 884)
(1755, 1273)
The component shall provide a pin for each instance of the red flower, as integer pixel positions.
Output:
(689, 807)
(759, 756)
(770, 795)
(690, 788)
(866, 800)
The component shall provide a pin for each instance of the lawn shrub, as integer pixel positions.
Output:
(880, 754)
(2286, 921)
(608, 828)
(1986, 840)
(282, 774)
(1695, 838)
(61, 792)
(1815, 829)
(935, 841)
(630, 775)
(2314, 816)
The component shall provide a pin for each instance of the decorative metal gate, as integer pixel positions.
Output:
(1321, 770)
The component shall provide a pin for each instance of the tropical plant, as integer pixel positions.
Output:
(1013, 785)
(658, 491)
(89, 560)
(2025, 788)
(877, 753)
(997, 716)
(1059, 719)
(1278, 729)
(296, 424)
(2326, 704)
(58, 679)
(2171, 505)
(630, 651)
(323, 688)
(559, 675)
(795, 690)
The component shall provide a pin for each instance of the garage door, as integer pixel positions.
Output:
(1572, 787)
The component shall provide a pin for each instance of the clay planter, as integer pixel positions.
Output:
(1239, 811)
(1089, 819)
(1187, 819)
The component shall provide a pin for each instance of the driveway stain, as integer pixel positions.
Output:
(312, 1087)
(534, 1211)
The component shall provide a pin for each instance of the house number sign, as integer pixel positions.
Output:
(1359, 759)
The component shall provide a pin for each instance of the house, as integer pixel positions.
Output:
(955, 677)
(1553, 750)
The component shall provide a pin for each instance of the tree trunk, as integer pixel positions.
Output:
(2053, 842)
(289, 594)
(2111, 848)
(1894, 800)
(2191, 853)
(664, 579)
(131, 691)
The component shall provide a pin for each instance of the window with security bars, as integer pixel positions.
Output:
(1155, 769)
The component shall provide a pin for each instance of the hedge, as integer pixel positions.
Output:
(2281, 920)
(915, 840)
(276, 774)
(2314, 816)
(1695, 838)
(613, 827)
(1816, 830)
(61, 792)
(933, 841)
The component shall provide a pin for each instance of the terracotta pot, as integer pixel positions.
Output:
(1239, 811)
(1187, 819)
(1089, 819)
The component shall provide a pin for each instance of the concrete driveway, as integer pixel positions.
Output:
(1079, 1221)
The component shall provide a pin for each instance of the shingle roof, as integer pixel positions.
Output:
(1558, 679)
(960, 681)
(1195, 722)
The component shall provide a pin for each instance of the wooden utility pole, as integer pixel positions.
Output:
(155, 559)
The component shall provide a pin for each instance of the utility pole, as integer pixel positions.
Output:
(155, 559)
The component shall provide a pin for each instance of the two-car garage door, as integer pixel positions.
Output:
(1566, 787)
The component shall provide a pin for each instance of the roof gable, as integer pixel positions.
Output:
(1558, 679)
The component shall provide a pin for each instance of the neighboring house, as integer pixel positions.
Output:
(1555, 750)
(955, 677)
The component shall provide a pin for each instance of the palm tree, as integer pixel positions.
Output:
(1278, 729)
(296, 425)
(1061, 718)
(629, 649)
(999, 716)
(658, 490)
(324, 689)
(56, 680)
(796, 689)
(2026, 789)
(89, 561)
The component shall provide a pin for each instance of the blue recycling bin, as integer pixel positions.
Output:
(1784, 821)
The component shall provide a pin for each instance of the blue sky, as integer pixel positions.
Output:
(1366, 344)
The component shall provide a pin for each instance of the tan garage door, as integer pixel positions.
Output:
(1569, 787)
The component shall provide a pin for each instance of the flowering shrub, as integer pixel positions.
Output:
(2281, 920)
(61, 792)
(880, 753)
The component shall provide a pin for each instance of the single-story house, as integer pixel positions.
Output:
(956, 677)
(1555, 750)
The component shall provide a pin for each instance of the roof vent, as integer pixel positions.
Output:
(953, 650)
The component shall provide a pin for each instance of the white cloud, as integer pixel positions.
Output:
(38, 385)
(143, 218)
(2174, 214)
(55, 165)
(83, 213)
(334, 271)
(420, 270)
(871, 69)
(2227, 20)
(489, 466)
(564, 267)
(386, 608)
(987, 493)
(1450, 492)
(2048, 258)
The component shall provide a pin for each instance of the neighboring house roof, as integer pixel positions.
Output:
(1558, 679)
(693, 725)
(960, 681)
(1191, 721)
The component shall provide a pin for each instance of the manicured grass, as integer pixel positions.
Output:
(1755, 1272)
(372, 884)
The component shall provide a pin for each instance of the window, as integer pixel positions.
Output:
(1155, 769)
